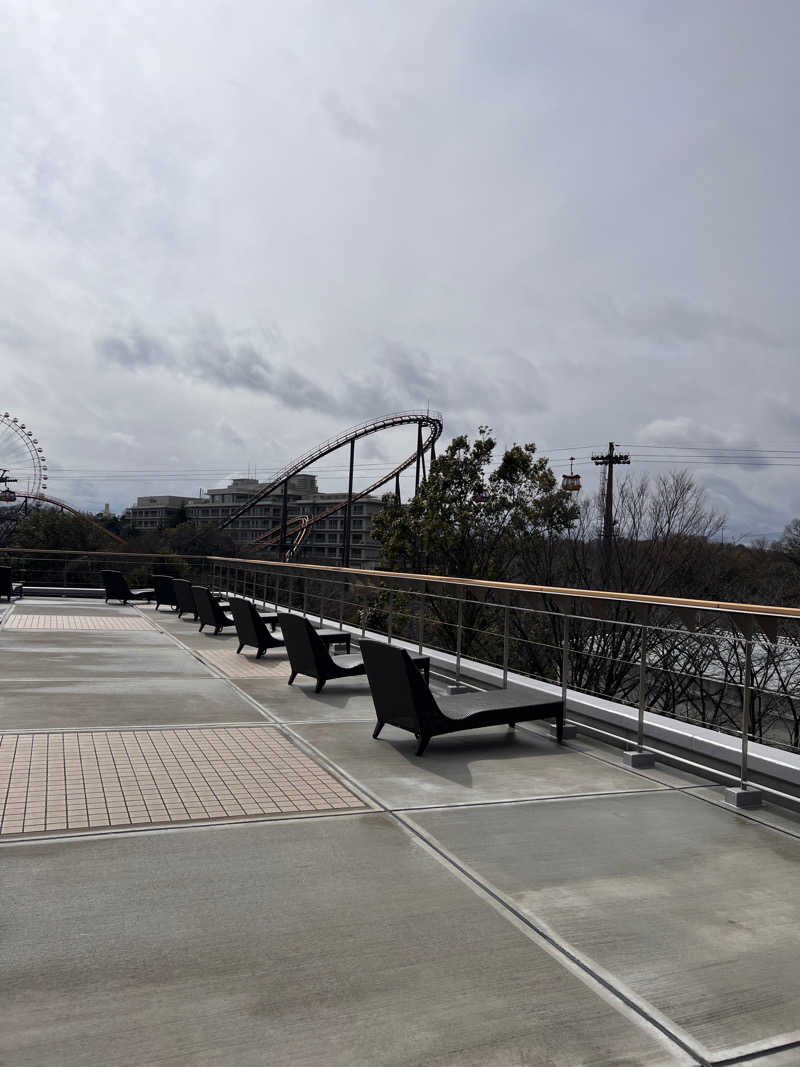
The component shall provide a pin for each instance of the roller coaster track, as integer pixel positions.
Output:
(428, 420)
(74, 511)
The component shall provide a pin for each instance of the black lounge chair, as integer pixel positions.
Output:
(164, 590)
(210, 610)
(309, 652)
(404, 700)
(184, 597)
(117, 588)
(251, 627)
(7, 587)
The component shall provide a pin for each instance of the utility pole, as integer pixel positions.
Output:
(610, 459)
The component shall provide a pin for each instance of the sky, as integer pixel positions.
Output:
(232, 229)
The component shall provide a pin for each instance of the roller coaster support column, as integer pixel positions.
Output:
(348, 511)
(284, 519)
(397, 488)
(419, 457)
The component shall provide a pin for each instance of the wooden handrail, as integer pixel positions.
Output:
(556, 592)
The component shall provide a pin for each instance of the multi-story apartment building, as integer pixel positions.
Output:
(156, 512)
(323, 542)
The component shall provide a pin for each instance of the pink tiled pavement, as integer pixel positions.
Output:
(271, 665)
(102, 778)
(17, 621)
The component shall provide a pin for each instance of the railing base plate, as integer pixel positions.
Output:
(568, 734)
(639, 759)
(743, 798)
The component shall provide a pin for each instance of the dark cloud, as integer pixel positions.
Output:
(677, 322)
(346, 122)
(137, 349)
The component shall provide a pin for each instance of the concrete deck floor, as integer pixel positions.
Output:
(501, 901)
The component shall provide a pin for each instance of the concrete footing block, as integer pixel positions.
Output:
(454, 690)
(570, 731)
(743, 798)
(638, 759)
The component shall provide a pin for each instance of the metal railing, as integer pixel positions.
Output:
(712, 663)
(717, 664)
(72, 570)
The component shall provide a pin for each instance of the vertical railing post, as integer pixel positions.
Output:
(277, 587)
(321, 602)
(746, 686)
(341, 607)
(291, 595)
(459, 632)
(505, 646)
(642, 686)
(390, 619)
(640, 758)
(565, 663)
(264, 597)
(421, 625)
(744, 795)
(305, 595)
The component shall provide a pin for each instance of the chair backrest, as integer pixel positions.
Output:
(5, 581)
(163, 588)
(184, 597)
(211, 614)
(115, 585)
(399, 692)
(250, 626)
(307, 654)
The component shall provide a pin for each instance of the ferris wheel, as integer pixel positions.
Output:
(23, 470)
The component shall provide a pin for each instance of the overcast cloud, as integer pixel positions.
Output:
(231, 229)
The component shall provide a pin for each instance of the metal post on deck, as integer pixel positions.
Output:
(505, 647)
(390, 618)
(640, 758)
(291, 595)
(744, 795)
(277, 586)
(305, 597)
(421, 624)
(568, 730)
(459, 632)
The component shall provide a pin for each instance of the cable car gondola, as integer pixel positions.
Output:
(571, 483)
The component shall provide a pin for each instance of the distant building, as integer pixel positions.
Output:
(324, 541)
(156, 512)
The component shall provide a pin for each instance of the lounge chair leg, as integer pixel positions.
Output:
(377, 730)
(217, 630)
(512, 726)
(292, 677)
(319, 685)
(423, 744)
(260, 652)
(202, 624)
(239, 649)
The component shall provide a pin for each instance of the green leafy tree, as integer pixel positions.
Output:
(469, 519)
(49, 528)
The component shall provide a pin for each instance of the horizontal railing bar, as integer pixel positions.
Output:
(558, 592)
